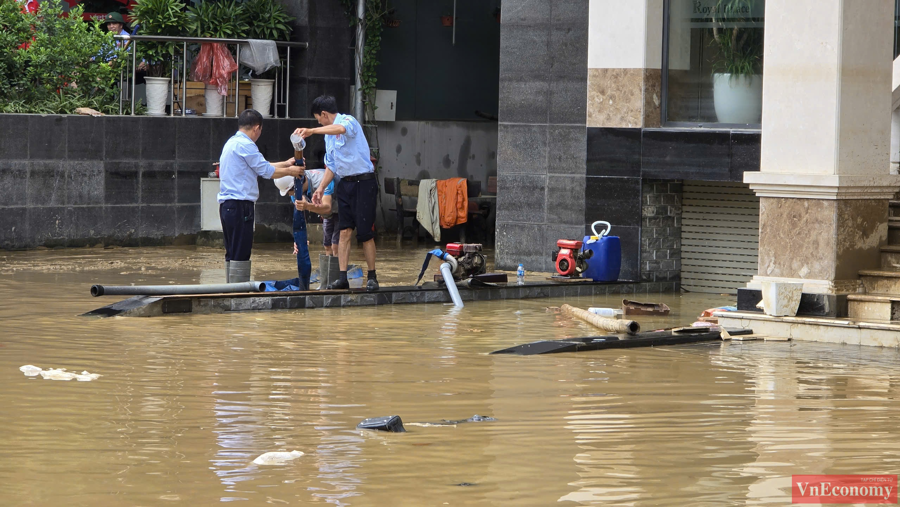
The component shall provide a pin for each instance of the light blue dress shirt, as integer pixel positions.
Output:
(239, 165)
(348, 154)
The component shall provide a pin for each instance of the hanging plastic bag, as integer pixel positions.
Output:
(260, 55)
(201, 69)
(223, 65)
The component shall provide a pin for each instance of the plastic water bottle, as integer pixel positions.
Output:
(606, 312)
(520, 275)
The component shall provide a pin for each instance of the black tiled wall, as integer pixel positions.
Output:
(541, 132)
(74, 181)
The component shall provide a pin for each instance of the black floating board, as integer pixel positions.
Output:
(651, 339)
(122, 306)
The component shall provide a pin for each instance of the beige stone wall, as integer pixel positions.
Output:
(624, 98)
(820, 239)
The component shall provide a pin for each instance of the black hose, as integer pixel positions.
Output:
(174, 290)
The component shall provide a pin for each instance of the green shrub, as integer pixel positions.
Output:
(224, 19)
(268, 20)
(15, 30)
(65, 66)
(159, 17)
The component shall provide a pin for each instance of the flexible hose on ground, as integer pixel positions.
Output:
(612, 325)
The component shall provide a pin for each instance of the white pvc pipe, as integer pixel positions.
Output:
(447, 272)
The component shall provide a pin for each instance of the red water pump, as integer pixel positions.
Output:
(469, 259)
(569, 259)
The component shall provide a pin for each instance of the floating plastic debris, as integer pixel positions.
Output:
(30, 370)
(277, 458)
(57, 374)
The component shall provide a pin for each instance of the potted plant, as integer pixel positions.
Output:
(737, 73)
(268, 21)
(158, 17)
(222, 20)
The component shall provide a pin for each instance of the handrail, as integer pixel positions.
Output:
(204, 40)
(166, 38)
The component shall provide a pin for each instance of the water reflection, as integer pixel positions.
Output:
(187, 402)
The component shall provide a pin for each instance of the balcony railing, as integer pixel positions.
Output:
(127, 85)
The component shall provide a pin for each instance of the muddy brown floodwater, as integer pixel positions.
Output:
(187, 402)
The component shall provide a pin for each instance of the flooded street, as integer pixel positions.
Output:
(187, 402)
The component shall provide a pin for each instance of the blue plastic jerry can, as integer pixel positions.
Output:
(606, 259)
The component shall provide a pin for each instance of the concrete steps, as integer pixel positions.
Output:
(890, 257)
(874, 307)
(878, 281)
(894, 229)
(894, 209)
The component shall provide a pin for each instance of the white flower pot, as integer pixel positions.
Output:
(738, 99)
(157, 94)
(781, 299)
(214, 101)
(261, 94)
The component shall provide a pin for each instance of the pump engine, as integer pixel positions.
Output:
(469, 259)
(569, 259)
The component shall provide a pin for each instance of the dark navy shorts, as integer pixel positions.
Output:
(356, 207)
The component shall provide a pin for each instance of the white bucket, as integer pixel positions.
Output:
(157, 95)
(261, 94)
(214, 101)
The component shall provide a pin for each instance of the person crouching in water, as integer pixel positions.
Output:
(308, 183)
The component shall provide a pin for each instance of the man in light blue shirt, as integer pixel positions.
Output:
(347, 159)
(239, 166)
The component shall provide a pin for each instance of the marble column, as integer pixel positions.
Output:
(824, 180)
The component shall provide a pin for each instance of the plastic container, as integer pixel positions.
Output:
(298, 142)
(520, 275)
(606, 260)
(611, 313)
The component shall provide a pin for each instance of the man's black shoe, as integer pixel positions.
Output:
(372, 285)
(338, 285)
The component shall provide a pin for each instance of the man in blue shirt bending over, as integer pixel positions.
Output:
(347, 160)
(239, 166)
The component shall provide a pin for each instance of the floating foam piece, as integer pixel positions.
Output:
(30, 370)
(58, 374)
(277, 458)
(87, 377)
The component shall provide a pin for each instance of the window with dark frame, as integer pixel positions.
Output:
(712, 63)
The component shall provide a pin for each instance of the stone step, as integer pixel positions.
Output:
(894, 208)
(880, 281)
(890, 257)
(893, 233)
(873, 307)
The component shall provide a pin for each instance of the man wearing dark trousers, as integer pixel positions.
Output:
(239, 166)
(347, 160)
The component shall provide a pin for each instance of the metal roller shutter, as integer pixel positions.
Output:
(719, 236)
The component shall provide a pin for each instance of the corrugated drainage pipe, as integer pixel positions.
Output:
(175, 290)
(612, 325)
